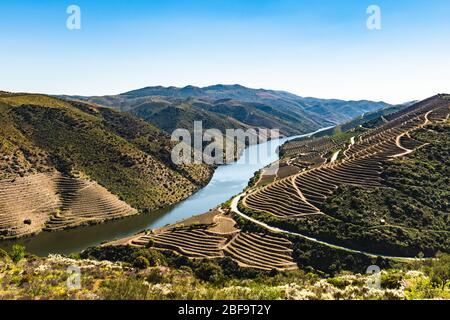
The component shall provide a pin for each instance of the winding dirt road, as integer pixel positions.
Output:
(235, 209)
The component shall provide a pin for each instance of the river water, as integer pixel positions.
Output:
(228, 180)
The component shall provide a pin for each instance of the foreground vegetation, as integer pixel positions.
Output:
(151, 275)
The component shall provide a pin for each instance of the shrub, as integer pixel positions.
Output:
(186, 269)
(141, 263)
(155, 276)
(338, 282)
(150, 244)
(391, 280)
(229, 267)
(273, 273)
(125, 254)
(153, 257)
(209, 271)
(17, 253)
(75, 256)
(109, 253)
(125, 289)
(439, 270)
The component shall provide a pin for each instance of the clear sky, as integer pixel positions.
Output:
(311, 48)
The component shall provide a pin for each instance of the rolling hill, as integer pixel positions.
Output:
(65, 164)
(233, 106)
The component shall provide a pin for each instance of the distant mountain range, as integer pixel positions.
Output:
(233, 106)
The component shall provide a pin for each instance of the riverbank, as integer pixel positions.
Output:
(227, 181)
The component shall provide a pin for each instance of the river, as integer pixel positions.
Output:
(227, 181)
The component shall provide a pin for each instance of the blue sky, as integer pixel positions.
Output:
(311, 48)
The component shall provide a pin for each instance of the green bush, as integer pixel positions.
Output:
(391, 280)
(439, 270)
(110, 253)
(186, 269)
(124, 254)
(338, 282)
(17, 253)
(141, 263)
(155, 258)
(155, 276)
(126, 289)
(209, 271)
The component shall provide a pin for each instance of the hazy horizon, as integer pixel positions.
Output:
(322, 50)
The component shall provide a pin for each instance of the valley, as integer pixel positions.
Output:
(278, 226)
(331, 203)
(81, 164)
(186, 150)
(306, 203)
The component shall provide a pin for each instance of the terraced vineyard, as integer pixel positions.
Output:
(85, 202)
(303, 194)
(319, 145)
(261, 251)
(190, 243)
(218, 239)
(313, 152)
(310, 152)
(281, 199)
(52, 202)
(26, 204)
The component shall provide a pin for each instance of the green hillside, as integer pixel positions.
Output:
(126, 155)
(407, 215)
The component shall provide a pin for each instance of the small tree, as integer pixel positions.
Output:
(141, 263)
(209, 271)
(17, 253)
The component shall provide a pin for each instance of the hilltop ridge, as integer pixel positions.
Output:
(234, 106)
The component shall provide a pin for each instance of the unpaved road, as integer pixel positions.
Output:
(235, 209)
